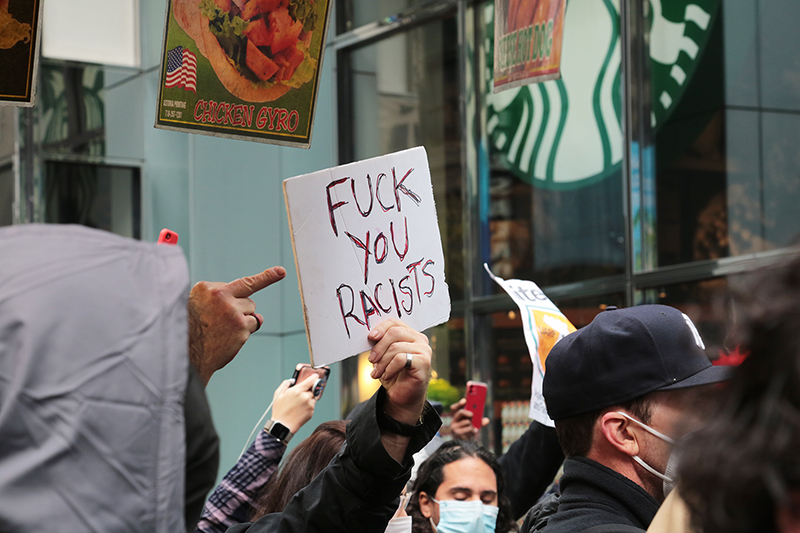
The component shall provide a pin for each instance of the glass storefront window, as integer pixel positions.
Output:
(727, 127)
(6, 195)
(99, 196)
(449, 353)
(70, 110)
(712, 170)
(405, 94)
(449, 366)
(706, 302)
(511, 366)
(581, 311)
(552, 176)
(8, 131)
(8, 134)
(355, 13)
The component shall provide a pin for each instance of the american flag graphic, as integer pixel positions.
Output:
(181, 69)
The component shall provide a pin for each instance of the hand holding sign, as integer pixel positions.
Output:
(222, 317)
(367, 248)
(405, 382)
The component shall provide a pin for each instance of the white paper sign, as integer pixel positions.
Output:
(544, 325)
(367, 248)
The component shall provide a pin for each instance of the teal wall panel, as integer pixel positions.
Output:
(165, 174)
(235, 208)
(240, 393)
(225, 200)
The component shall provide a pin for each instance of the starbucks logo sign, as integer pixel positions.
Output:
(567, 133)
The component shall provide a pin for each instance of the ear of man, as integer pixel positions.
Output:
(425, 505)
(619, 433)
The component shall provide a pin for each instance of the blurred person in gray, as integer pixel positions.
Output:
(104, 423)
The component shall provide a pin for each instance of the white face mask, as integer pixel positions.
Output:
(670, 472)
(400, 524)
(472, 516)
(665, 477)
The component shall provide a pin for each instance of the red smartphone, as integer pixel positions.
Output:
(476, 401)
(302, 371)
(167, 236)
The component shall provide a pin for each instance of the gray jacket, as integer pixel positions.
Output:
(93, 372)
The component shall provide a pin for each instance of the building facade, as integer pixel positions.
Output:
(660, 168)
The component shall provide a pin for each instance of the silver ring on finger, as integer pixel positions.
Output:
(409, 360)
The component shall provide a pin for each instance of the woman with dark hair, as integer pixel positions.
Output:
(233, 501)
(301, 466)
(460, 488)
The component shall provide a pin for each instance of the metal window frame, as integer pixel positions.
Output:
(476, 309)
(30, 157)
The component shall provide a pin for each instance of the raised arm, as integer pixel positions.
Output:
(358, 491)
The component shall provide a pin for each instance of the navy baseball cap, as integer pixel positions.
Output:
(624, 354)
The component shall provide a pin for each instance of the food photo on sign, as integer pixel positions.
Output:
(19, 37)
(246, 69)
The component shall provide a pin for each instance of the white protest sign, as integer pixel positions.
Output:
(367, 248)
(544, 325)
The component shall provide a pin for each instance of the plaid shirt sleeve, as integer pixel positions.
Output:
(232, 501)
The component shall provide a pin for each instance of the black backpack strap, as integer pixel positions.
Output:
(613, 528)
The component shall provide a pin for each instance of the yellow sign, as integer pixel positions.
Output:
(551, 327)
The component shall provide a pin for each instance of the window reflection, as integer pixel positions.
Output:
(71, 110)
(6, 195)
(355, 13)
(726, 128)
(405, 94)
(99, 196)
(554, 181)
(706, 302)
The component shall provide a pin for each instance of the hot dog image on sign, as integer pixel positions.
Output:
(245, 69)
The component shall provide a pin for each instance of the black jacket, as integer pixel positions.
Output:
(594, 495)
(358, 491)
(530, 465)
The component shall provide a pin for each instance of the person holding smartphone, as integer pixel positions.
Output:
(358, 491)
(233, 501)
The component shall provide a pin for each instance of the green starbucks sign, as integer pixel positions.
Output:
(567, 133)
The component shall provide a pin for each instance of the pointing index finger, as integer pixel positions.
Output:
(249, 285)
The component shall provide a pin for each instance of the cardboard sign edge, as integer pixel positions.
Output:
(299, 277)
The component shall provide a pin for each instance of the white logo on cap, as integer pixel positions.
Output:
(697, 339)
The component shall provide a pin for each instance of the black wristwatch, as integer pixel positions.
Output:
(279, 431)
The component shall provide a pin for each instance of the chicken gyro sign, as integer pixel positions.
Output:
(246, 69)
(367, 248)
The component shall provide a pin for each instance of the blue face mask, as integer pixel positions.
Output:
(465, 517)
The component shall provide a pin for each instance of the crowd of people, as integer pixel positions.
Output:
(104, 423)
